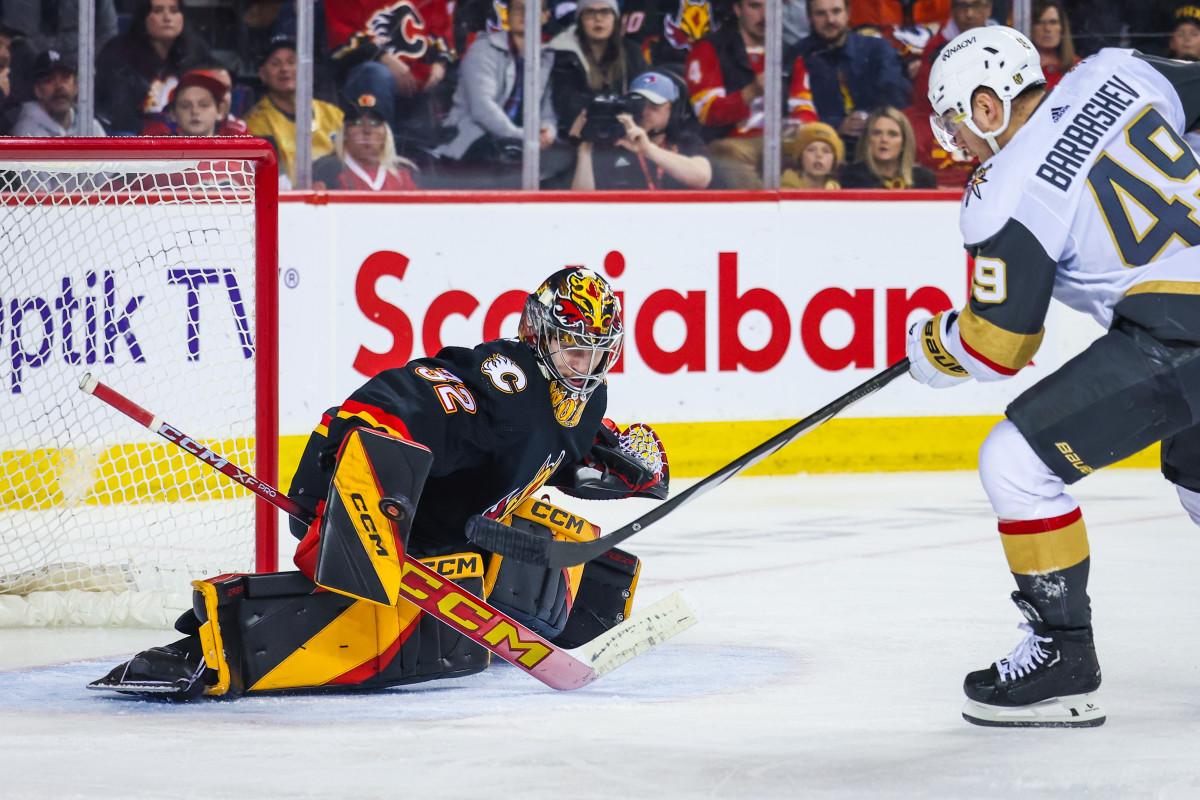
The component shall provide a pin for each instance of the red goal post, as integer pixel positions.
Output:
(153, 263)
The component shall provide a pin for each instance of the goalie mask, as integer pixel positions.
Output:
(996, 58)
(573, 323)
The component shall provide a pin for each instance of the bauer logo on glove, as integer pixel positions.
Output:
(930, 361)
(621, 463)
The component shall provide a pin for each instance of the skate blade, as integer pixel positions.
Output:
(134, 687)
(1074, 711)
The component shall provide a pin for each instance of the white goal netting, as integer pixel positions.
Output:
(143, 273)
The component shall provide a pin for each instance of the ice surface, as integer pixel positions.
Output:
(838, 617)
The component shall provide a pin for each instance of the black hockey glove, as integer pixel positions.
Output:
(628, 463)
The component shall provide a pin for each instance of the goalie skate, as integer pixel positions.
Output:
(1048, 680)
(161, 672)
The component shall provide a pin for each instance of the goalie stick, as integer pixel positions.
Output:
(557, 668)
(554, 554)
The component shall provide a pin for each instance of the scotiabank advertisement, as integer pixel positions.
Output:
(743, 310)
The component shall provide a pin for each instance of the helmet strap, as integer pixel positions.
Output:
(990, 138)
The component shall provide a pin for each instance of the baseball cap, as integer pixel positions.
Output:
(50, 61)
(279, 42)
(655, 87)
(355, 107)
(205, 80)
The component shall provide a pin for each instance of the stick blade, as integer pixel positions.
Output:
(505, 541)
(644, 630)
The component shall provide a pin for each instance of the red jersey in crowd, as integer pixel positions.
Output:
(716, 106)
(416, 31)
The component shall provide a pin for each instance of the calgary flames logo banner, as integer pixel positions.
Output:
(586, 307)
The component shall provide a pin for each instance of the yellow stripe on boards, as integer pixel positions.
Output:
(1039, 553)
(127, 473)
(878, 444)
(44, 478)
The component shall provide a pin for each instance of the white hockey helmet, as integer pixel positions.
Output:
(996, 57)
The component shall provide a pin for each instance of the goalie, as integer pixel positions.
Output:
(401, 466)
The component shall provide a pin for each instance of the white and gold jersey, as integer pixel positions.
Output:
(1094, 198)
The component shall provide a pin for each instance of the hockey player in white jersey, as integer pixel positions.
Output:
(1087, 194)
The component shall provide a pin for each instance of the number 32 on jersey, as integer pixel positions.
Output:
(449, 389)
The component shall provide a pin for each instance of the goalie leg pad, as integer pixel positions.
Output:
(537, 597)
(279, 631)
(604, 599)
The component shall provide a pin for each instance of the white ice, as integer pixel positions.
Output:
(839, 615)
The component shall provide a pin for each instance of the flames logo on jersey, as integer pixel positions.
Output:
(568, 406)
(507, 504)
(692, 21)
(978, 178)
(500, 23)
(587, 307)
(504, 373)
(399, 29)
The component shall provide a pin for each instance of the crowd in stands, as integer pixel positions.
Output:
(634, 94)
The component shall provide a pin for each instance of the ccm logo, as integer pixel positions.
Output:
(360, 505)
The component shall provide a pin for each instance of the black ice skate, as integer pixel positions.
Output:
(173, 672)
(1047, 681)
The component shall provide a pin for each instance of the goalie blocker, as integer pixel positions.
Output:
(287, 631)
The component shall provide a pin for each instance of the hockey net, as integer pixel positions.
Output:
(150, 263)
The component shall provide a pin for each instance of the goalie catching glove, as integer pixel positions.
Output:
(621, 463)
(929, 360)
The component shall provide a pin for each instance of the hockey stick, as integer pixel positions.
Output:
(441, 598)
(555, 554)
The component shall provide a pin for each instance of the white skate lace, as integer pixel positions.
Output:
(1027, 656)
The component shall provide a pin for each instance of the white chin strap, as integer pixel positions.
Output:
(990, 138)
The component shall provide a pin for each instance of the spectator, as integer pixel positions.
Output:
(1051, 35)
(137, 70)
(366, 158)
(908, 26)
(661, 149)
(56, 90)
(725, 83)
(7, 34)
(886, 156)
(591, 57)
(666, 30)
(54, 24)
(489, 107)
(1185, 39)
(850, 74)
(274, 116)
(195, 107)
(398, 53)
(816, 154)
(965, 15)
(229, 125)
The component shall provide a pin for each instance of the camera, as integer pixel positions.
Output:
(602, 128)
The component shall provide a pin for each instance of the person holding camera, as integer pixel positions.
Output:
(592, 57)
(641, 141)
